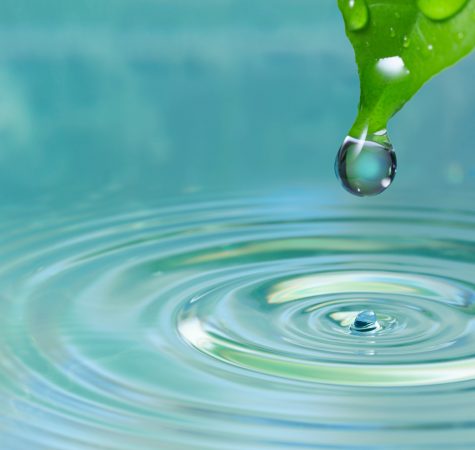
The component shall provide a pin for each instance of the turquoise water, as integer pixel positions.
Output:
(227, 324)
(180, 269)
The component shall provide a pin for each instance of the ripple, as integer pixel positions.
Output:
(300, 327)
(228, 325)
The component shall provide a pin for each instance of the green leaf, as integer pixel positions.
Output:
(399, 45)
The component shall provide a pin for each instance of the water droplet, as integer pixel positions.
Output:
(356, 14)
(460, 36)
(392, 67)
(366, 166)
(406, 42)
(392, 32)
(440, 9)
(365, 321)
(430, 47)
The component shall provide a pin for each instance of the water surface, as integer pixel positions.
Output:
(226, 324)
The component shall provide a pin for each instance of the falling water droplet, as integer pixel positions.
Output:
(365, 321)
(440, 9)
(366, 166)
(356, 14)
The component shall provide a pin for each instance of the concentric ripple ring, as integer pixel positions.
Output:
(217, 324)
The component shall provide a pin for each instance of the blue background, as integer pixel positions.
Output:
(174, 98)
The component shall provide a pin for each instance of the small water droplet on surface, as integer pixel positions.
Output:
(392, 67)
(460, 36)
(365, 321)
(356, 14)
(392, 32)
(440, 9)
(406, 42)
(366, 166)
(430, 47)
